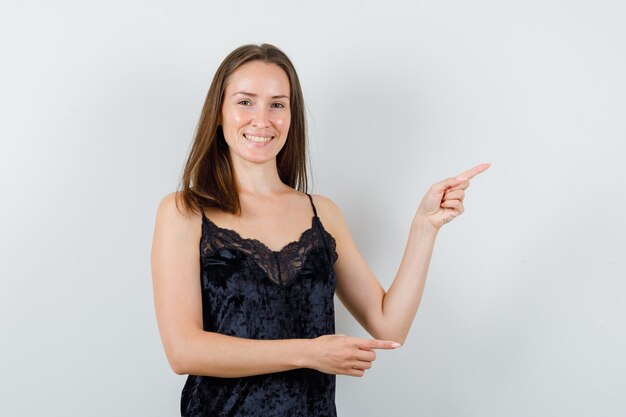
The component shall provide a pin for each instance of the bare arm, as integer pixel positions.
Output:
(191, 350)
(389, 314)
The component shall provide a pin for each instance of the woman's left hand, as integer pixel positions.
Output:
(444, 200)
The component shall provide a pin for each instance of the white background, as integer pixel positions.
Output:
(523, 313)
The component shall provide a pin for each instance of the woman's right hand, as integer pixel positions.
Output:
(345, 355)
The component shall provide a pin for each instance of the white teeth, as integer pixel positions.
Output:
(258, 139)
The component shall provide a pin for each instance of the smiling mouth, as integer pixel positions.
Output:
(258, 139)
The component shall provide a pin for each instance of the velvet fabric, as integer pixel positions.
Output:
(250, 291)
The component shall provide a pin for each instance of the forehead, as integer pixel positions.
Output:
(261, 78)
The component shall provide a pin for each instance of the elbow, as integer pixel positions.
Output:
(400, 337)
(177, 360)
(400, 340)
(178, 368)
(187, 355)
(393, 336)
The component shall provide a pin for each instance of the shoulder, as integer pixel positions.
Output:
(173, 216)
(324, 204)
(171, 207)
(328, 212)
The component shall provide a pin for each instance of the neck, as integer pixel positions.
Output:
(259, 179)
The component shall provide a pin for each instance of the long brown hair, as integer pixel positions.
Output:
(208, 178)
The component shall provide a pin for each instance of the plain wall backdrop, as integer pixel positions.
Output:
(523, 313)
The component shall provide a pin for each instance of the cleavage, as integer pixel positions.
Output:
(281, 266)
(263, 242)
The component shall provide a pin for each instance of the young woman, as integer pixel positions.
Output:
(245, 263)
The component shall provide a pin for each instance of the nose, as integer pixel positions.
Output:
(261, 117)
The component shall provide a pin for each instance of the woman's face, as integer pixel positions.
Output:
(255, 112)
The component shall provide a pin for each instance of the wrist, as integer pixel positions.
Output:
(302, 353)
(422, 226)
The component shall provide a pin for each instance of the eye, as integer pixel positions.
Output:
(244, 102)
(278, 105)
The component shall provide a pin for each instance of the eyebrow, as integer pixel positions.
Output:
(244, 93)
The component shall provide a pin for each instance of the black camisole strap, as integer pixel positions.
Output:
(321, 232)
(312, 205)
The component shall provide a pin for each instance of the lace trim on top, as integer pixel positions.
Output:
(281, 266)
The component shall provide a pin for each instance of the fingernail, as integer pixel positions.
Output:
(395, 344)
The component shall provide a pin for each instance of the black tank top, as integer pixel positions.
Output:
(251, 291)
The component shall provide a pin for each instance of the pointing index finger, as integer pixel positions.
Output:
(379, 344)
(470, 173)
